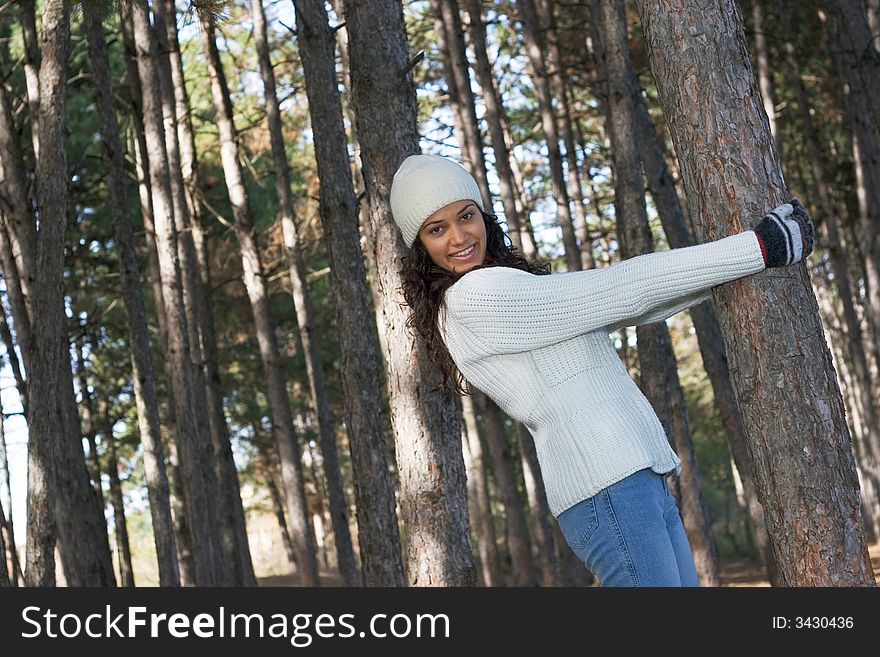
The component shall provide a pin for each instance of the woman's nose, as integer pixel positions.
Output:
(458, 234)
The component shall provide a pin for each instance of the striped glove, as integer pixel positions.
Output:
(785, 235)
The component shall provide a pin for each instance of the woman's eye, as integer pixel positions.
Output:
(467, 216)
(436, 230)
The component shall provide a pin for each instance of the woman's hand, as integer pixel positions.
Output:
(785, 235)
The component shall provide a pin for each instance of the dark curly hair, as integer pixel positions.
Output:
(424, 287)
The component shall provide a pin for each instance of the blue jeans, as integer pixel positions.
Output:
(630, 534)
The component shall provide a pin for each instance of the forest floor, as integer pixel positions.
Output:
(733, 573)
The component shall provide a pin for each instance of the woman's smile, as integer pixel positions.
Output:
(455, 237)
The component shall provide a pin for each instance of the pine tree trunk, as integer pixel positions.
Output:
(659, 374)
(123, 550)
(279, 403)
(662, 187)
(426, 425)
(518, 540)
(195, 455)
(343, 216)
(788, 395)
(458, 80)
(557, 77)
(222, 497)
(182, 538)
(45, 426)
(10, 525)
(494, 118)
(227, 475)
(478, 496)
(858, 65)
(528, 18)
(543, 520)
(765, 81)
(141, 360)
(277, 505)
(297, 270)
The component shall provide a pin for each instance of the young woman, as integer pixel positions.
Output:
(538, 345)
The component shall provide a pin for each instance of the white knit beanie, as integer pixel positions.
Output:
(422, 185)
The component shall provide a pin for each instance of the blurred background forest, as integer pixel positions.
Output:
(541, 62)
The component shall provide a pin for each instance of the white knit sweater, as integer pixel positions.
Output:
(539, 347)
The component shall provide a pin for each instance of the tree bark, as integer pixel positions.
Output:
(426, 424)
(235, 533)
(780, 365)
(49, 336)
(662, 187)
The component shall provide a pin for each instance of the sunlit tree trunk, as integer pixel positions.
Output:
(279, 403)
(143, 377)
(297, 270)
(195, 454)
(789, 398)
(659, 373)
(426, 425)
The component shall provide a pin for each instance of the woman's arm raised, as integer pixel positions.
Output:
(511, 310)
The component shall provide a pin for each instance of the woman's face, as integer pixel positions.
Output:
(455, 237)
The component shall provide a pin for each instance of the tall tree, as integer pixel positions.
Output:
(765, 81)
(558, 85)
(378, 535)
(528, 19)
(123, 547)
(858, 64)
(245, 231)
(45, 425)
(426, 424)
(299, 287)
(518, 540)
(494, 121)
(712, 106)
(181, 148)
(479, 506)
(143, 377)
(659, 374)
(195, 452)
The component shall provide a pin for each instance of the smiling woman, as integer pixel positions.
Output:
(455, 237)
(539, 347)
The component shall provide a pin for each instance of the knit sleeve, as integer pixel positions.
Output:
(509, 310)
(664, 311)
